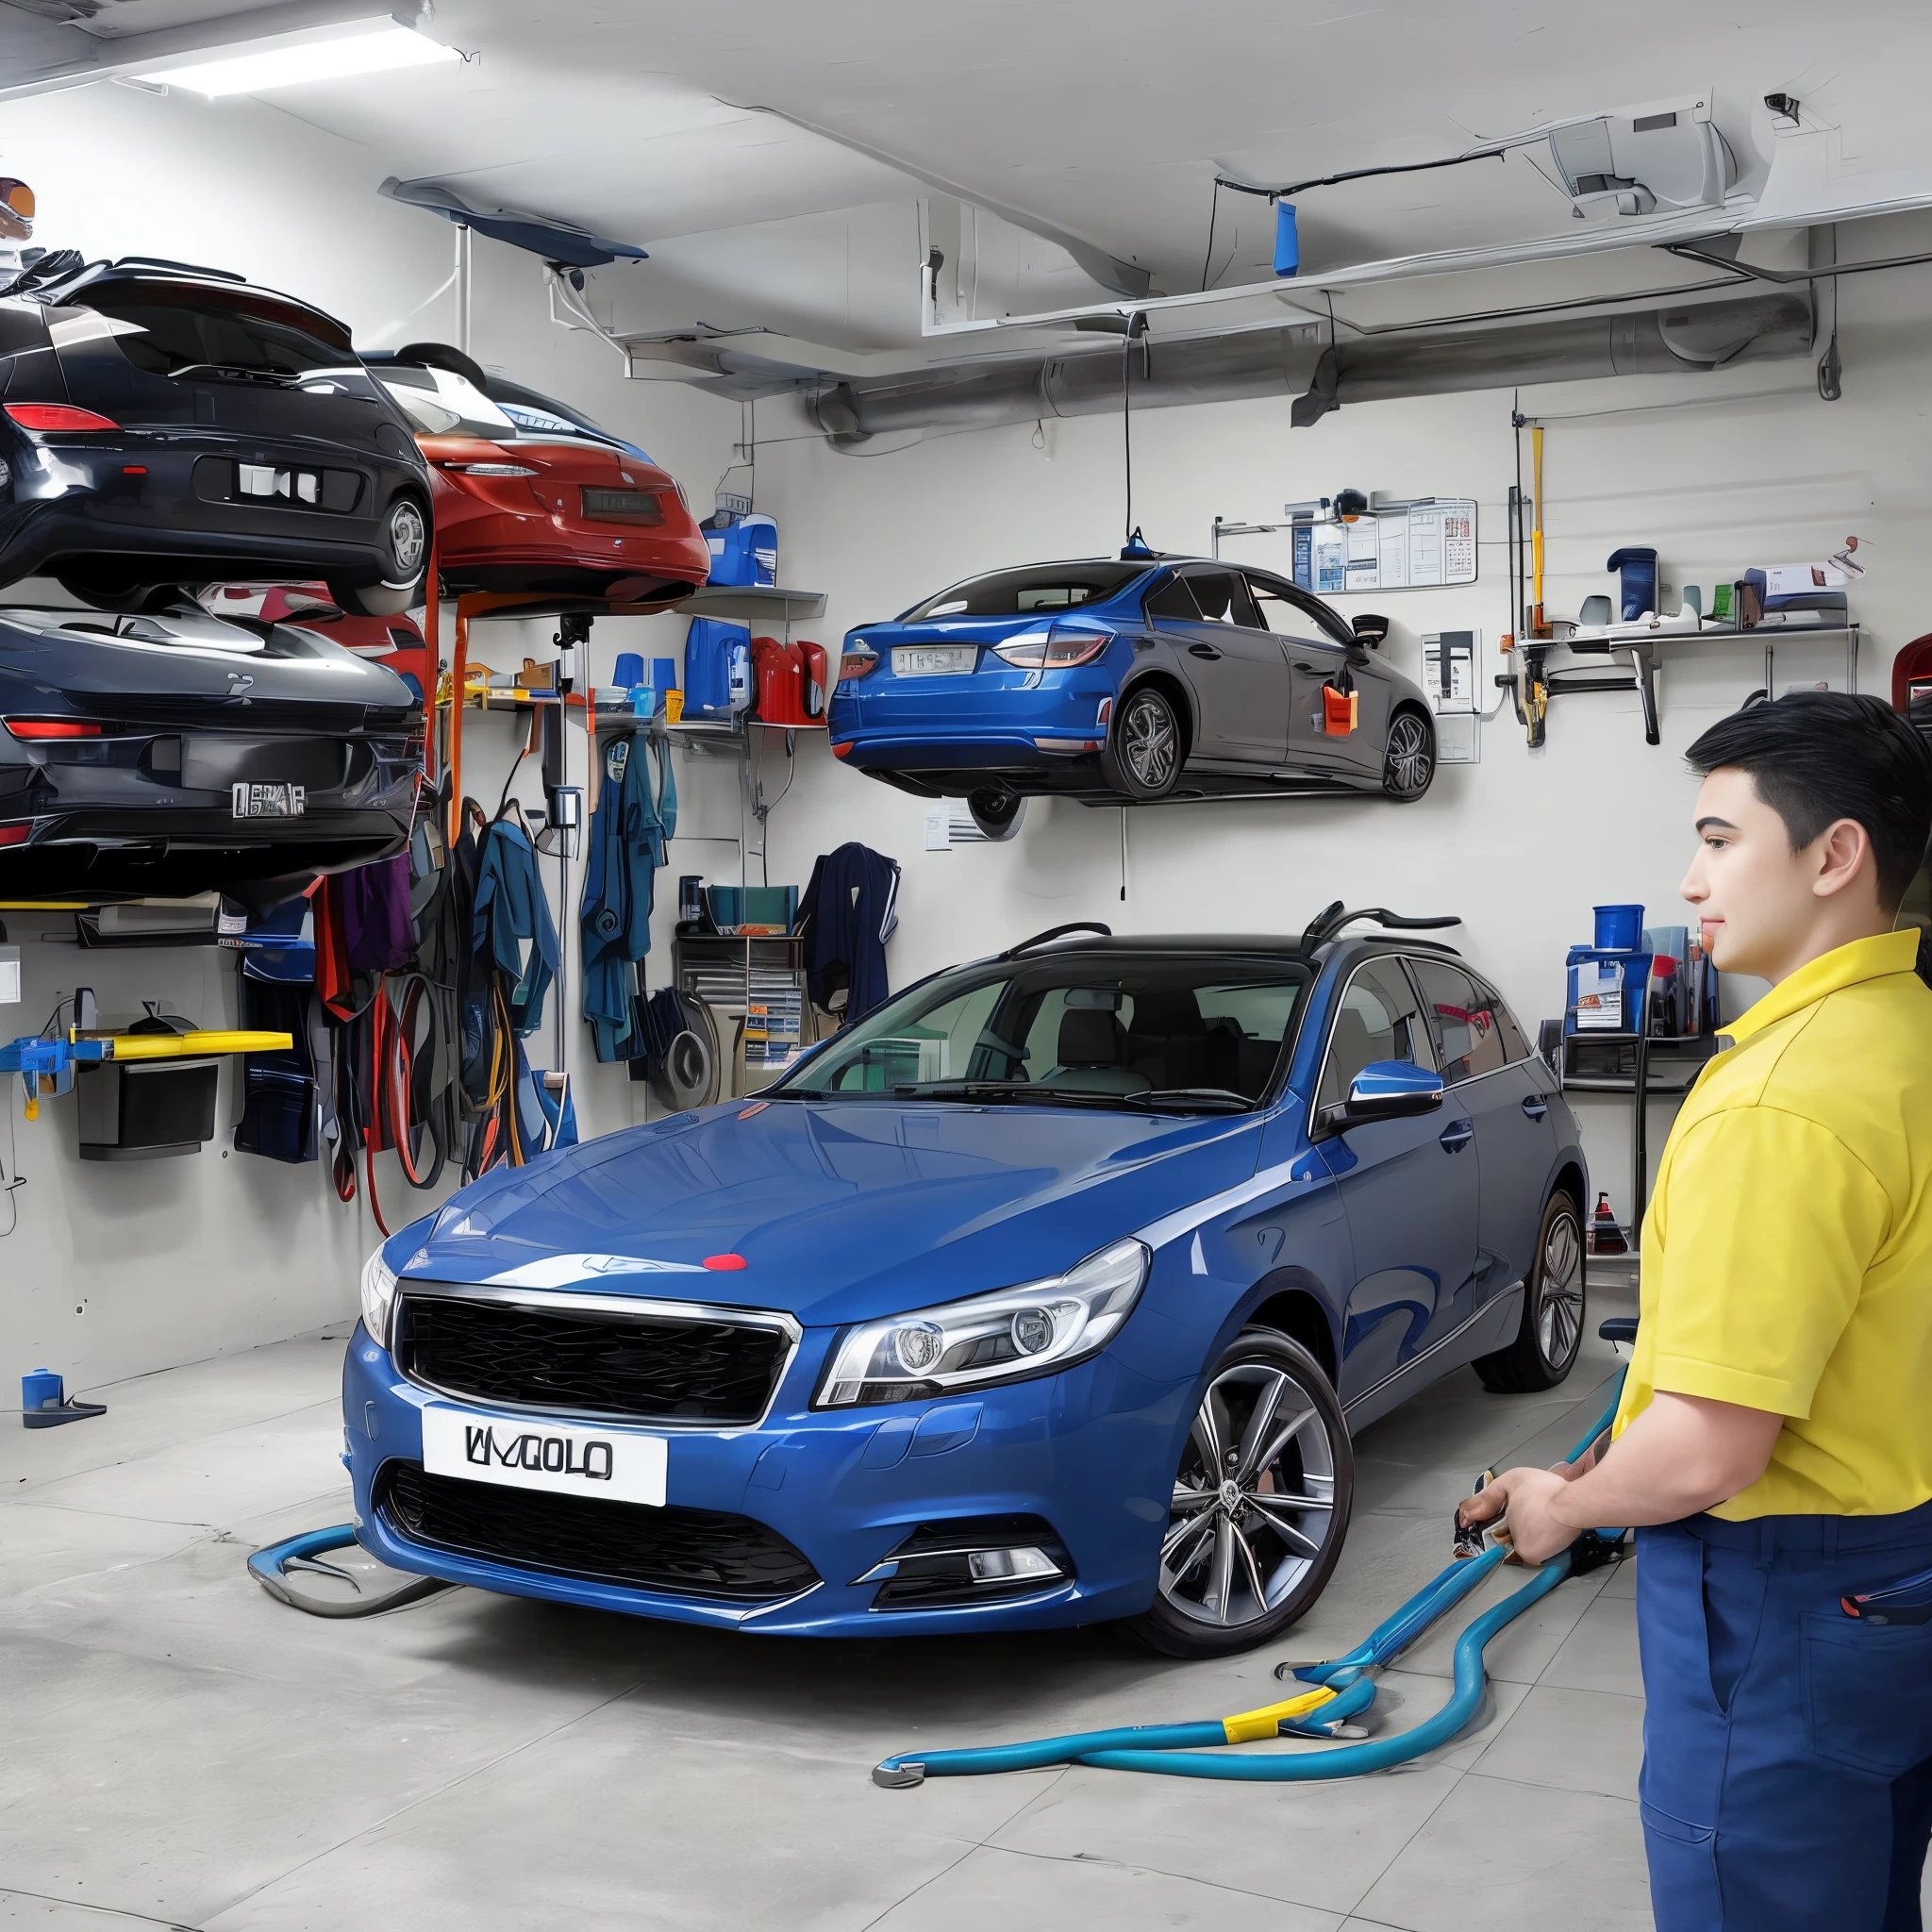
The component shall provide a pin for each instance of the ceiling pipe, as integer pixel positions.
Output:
(1297, 361)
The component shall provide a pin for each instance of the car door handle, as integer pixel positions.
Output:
(1457, 1136)
(1202, 651)
(1536, 1106)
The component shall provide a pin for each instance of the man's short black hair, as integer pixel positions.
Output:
(1817, 756)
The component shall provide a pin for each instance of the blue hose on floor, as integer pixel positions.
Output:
(1186, 1750)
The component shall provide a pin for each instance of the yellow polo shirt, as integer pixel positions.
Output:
(1788, 1250)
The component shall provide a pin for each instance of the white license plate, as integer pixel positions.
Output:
(269, 801)
(933, 660)
(567, 1458)
(264, 481)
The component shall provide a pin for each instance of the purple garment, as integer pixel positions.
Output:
(379, 935)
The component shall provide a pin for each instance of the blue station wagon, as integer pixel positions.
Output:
(1051, 1292)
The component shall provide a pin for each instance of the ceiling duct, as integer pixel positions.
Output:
(1295, 361)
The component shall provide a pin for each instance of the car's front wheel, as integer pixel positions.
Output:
(406, 559)
(1142, 758)
(1260, 1503)
(1544, 1350)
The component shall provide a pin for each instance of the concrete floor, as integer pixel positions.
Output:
(180, 1750)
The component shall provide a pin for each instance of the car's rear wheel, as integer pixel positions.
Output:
(996, 813)
(406, 559)
(1408, 761)
(1142, 758)
(1544, 1350)
(1260, 1503)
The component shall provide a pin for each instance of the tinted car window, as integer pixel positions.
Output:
(1516, 1044)
(1175, 599)
(1378, 1018)
(1290, 613)
(1466, 1021)
(1039, 587)
(164, 329)
(1223, 596)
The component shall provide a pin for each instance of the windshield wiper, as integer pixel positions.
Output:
(1204, 1099)
(1002, 1089)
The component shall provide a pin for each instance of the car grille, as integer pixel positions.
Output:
(704, 1552)
(699, 1369)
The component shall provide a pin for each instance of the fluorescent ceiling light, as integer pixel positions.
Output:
(361, 46)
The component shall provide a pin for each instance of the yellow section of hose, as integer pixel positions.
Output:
(1246, 1726)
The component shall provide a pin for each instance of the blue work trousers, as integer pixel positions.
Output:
(1787, 1747)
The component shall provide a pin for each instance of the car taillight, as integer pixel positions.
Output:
(493, 468)
(14, 834)
(857, 665)
(51, 416)
(1053, 649)
(34, 729)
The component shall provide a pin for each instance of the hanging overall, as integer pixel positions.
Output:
(629, 832)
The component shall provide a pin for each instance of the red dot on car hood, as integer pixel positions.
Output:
(725, 1261)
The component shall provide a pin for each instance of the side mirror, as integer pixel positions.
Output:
(1371, 631)
(1383, 1090)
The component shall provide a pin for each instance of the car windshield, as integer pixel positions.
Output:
(439, 402)
(1019, 592)
(1131, 1032)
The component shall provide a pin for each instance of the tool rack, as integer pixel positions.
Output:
(1531, 683)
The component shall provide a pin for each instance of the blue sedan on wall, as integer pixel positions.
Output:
(1049, 1293)
(1127, 680)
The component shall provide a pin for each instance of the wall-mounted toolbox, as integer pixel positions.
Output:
(146, 1110)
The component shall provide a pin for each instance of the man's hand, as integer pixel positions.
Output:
(1532, 1531)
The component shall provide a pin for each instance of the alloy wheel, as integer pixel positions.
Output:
(1559, 1291)
(408, 537)
(1254, 1503)
(1149, 740)
(1411, 761)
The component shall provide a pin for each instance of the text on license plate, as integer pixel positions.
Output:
(567, 1458)
(933, 660)
(269, 800)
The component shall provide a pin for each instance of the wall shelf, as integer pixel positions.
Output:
(753, 603)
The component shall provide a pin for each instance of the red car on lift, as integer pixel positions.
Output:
(530, 499)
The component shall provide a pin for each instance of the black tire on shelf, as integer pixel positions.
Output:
(1545, 1349)
(997, 813)
(1146, 746)
(1408, 758)
(1273, 1508)
(406, 561)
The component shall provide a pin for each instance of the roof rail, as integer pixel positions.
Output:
(1327, 922)
(1054, 932)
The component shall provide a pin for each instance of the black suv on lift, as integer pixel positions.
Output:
(163, 426)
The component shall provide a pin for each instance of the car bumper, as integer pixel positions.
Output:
(1090, 1451)
(991, 721)
(86, 508)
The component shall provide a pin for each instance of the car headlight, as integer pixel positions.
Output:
(378, 1297)
(992, 1338)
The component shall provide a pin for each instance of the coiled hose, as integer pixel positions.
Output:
(1341, 1690)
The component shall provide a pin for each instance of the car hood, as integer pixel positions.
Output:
(841, 1211)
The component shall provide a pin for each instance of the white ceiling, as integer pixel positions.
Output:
(1107, 119)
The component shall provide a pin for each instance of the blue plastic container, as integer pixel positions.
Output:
(1606, 991)
(745, 552)
(41, 1389)
(629, 669)
(717, 669)
(1637, 573)
(1288, 241)
(1619, 929)
(663, 674)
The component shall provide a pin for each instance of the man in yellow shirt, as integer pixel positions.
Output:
(1774, 1438)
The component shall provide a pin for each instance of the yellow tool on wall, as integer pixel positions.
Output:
(42, 1063)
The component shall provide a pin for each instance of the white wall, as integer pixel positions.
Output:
(1525, 844)
(109, 1270)
(115, 1270)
